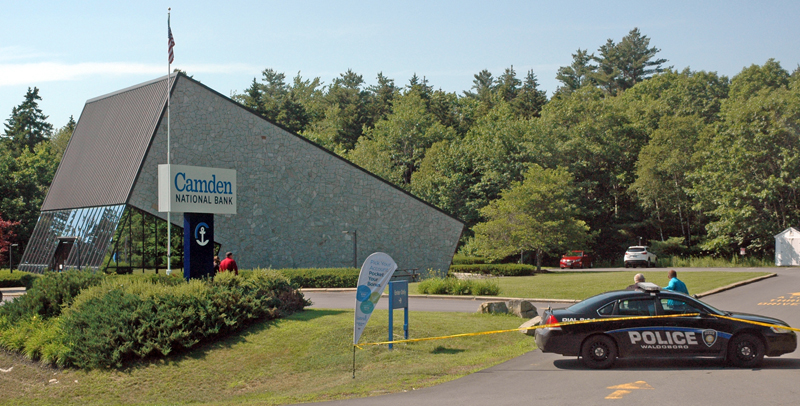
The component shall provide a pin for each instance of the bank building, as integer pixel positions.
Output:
(298, 205)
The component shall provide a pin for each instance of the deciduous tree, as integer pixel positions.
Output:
(536, 214)
(749, 183)
(394, 148)
(7, 237)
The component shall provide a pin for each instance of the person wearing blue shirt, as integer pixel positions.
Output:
(675, 284)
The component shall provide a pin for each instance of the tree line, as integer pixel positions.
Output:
(626, 149)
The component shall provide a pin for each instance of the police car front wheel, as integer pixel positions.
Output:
(745, 351)
(599, 352)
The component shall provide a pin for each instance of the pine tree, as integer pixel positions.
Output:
(483, 86)
(27, 126)
(530, 99)
(623, 65)
(420, 86)
(508, 84)
(578, 74)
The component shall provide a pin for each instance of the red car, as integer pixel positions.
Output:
(576, 259)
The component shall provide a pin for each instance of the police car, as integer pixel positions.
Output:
(616, 325)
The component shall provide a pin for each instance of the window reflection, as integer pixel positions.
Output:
(85, 233)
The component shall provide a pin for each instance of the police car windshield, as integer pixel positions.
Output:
(711, 309)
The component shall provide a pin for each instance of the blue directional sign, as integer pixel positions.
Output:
(398, 299)
(399, 294)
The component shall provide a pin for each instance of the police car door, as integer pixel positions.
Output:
(696, 333)
(635, 335)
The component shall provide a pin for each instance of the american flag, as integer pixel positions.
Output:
(170, 42)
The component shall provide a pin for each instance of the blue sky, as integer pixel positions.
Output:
(76, 50)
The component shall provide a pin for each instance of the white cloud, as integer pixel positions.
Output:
(39, 72)
(12, 53)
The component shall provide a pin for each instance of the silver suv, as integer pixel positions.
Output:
(639, 255)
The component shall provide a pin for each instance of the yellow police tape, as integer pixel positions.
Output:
(570, 323)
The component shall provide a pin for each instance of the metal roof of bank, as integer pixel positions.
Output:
(107, 148)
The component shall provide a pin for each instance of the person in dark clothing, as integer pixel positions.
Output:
(216, 264)
(228, 264)
(636, 279)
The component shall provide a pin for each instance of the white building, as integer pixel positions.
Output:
(787, 248)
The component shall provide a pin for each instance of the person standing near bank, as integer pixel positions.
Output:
(675, 284)
(228, 264)
(216, 264)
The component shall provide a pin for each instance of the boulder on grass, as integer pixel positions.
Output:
(493, 307)
(522, 308)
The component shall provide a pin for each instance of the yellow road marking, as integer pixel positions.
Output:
(634, 385)
(622, 390)
(618, 394)
(793, 300)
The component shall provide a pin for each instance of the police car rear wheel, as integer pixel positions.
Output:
(745, 351)
(599, 352)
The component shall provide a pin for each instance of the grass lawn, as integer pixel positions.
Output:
(580, 285)
(303, 358)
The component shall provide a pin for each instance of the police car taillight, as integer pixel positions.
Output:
(552, 320)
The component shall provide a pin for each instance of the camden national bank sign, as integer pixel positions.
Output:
(195, 189)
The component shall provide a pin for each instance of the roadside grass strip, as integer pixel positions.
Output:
(571, 323)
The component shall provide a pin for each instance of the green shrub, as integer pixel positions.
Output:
(486, 287)
(454, 286)
(125, 318)
(49, 293)
(495, 269)
(460, 259)
(323, 277)
(16, 279)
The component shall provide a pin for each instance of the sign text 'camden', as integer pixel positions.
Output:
(205, 186)
(193, 189)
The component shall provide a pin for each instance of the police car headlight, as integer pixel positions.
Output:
(780, 330)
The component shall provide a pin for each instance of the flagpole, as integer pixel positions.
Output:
(169, 213)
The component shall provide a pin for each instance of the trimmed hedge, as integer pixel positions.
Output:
(121, 318)
(16, 279)
(131, 321)
(496, 269)
(465, 260)
(322, 277)
(453, 286)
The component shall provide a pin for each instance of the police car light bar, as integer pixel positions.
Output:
(648, 286)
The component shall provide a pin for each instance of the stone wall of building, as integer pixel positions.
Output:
(295, 199)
